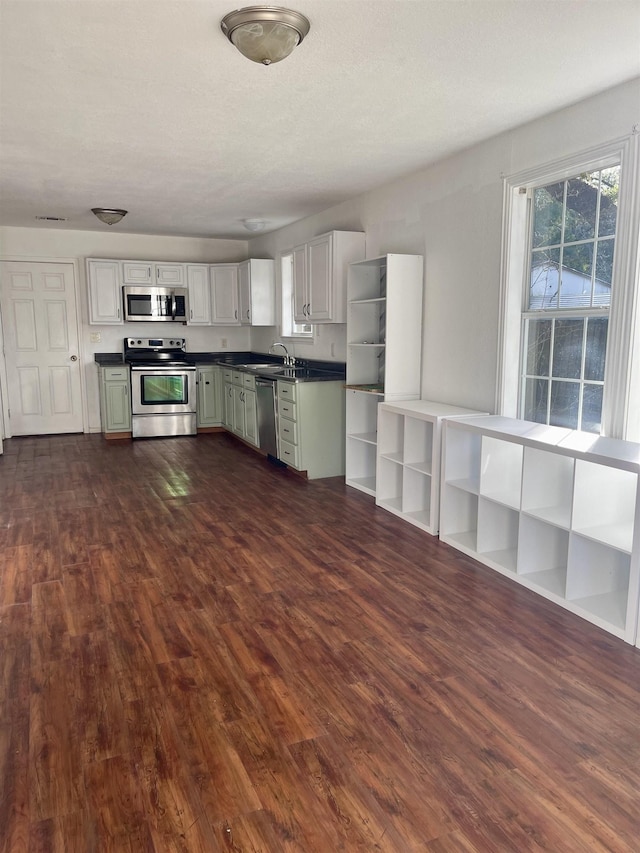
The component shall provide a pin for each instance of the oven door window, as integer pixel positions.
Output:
(164, 390)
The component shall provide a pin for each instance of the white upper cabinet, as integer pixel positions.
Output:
(257, 286)
(224, 294)
(199, 295)
(320, 276)
(148, 272)
(171, 275)
(105, 292)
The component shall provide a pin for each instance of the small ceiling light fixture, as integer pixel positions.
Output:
(254, 224)
(108, 215)
(265, 34)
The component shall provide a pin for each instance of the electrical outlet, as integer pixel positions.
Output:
(95, 337)
(224, 343)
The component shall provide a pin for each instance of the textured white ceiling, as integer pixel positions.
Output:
(144, 104)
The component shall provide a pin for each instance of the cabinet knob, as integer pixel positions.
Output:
(207, 382)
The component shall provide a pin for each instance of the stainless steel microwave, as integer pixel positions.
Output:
(145, 303)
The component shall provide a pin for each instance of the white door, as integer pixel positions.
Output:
(38, 303)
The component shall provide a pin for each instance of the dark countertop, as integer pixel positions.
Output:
(108, 358)
(305, 370)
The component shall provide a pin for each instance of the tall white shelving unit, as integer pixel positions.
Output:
(384, 346)
(554, 509)
(408, 469)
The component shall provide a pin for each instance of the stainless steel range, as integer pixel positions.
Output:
(163, 387)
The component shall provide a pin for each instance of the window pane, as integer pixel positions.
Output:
(604, 271)
(564, 404)
(539, 347)
(582, 201)
(547, 219)
(535, 402)
(567, 348)
(544, 282)
(596, 348)
(592, 408)
(575, 284)
(610, 185)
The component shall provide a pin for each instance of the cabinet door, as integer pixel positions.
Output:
(319, 279)
(170, 274)
(238, 410)
(224, 295)
(300, 291)
(105, 292)
(250, 417)
(208, 399)
(137, 272)
(228, 406)
(244, 289)
(199, 295)
(118, 407)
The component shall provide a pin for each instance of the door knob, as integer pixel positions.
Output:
(74, 358)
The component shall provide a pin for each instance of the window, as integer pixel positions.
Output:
(291, 329)
(565, 323)
(570, 298)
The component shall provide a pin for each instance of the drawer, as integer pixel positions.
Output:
(112, 374)
(287, 409)
(238, 376)
(289, 454)
(249, 381)
(288, 431)
(287, 391)
(227, 376)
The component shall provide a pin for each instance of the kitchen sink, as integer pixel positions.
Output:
(255, 366)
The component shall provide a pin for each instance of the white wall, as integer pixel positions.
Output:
(451, 212)
(49, 243)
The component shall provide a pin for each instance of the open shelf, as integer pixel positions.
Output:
(556, 510)
(501, 471)
(547, 486)
(610, 518)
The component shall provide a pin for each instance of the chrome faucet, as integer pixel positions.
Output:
(289, 360)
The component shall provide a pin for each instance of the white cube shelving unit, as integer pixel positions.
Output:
(384, 346)
(408, 459)
(556, 510)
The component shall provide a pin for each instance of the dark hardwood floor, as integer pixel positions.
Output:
(202, 652)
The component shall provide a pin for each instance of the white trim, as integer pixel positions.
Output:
(621, 407)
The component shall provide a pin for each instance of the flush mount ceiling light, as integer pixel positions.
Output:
(254, 224)
(108, 215)
(265, 34)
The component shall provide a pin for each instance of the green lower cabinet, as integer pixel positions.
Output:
(115, 399)
(311, 422)
(209, 406)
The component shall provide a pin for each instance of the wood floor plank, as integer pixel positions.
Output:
(200, 652)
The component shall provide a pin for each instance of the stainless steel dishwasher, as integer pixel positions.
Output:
(266, 405)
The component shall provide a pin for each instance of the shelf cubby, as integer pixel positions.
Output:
(547, 486)
(391, 437)
(361, 464)
(501, 471)
(497, 540)
(610, 518)
(389, 484)
(419, 443)
(543, 551)
(598, 581)
(459, 518)
(463, 449)
(416, 496)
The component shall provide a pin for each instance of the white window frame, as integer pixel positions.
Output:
(288, 325)
(621, 403)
